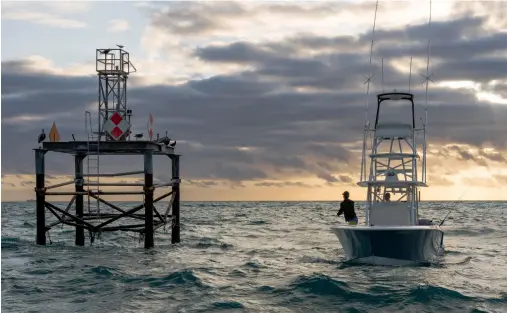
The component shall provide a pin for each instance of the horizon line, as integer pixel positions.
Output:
(450, 200)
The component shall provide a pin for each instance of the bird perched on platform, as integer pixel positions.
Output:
(42, 136)
(172, 144)
(137, 136)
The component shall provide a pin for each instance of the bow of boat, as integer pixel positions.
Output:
(391, 245)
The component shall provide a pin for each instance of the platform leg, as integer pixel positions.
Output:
(148, 200)
(40, 196)
(175, 231)
(80, 237)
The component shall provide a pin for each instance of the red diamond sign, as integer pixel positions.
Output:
(116, 126)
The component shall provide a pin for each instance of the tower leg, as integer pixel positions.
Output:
(148, 200)
(40, 196)
(80, 237)
(175, 232)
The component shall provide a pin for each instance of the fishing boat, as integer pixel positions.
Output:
(393, 233)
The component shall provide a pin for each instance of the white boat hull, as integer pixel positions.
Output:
(391, 245)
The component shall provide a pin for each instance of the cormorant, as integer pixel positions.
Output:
(42, 136)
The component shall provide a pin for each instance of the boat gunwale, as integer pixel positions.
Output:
(374, 228)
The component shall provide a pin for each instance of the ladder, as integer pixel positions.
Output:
(92, 164)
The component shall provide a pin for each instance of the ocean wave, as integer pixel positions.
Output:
(228, 305)
(258, 222)
(324, 286)
(186, 277)
(10, 243)
(207, 242)
(294, 264)
(311, 259)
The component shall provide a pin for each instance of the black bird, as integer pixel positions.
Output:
(140, 135)
(172, 144)
(157, 137)
(42, 136)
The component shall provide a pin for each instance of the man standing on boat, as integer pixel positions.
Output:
(387, 197)
(347, 209)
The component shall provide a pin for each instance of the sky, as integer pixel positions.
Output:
(265, 99)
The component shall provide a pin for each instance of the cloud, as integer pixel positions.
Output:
(68, 7)
(43, 18)
(118, 25)
(286, 184)
(287, 113)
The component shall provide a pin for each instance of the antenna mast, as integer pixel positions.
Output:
(427, 79)
(383, 89)
(368, 80)
(410, 74)
(370, 76)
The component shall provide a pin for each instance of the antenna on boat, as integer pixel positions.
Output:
(410, 74)
(369, 78)
(427, 79)
(383, 89)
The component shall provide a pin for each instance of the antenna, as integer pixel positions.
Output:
(383, 90)
(427, 77)
(368, 80)
(410, 74)
(370, 76)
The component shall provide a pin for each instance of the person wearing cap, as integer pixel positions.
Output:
(387, 197)
(347, 209)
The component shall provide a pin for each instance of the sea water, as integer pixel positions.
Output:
(251, 257)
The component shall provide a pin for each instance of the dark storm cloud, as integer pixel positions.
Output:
(482, 156)
(501, 89)
(284, 184)
(191, 18)
(453, 48)
(187, 18)
(238, 52)
(332, 180)
(240, 85)
(289, 132)
(202, 184)
(480, 70)
(254, 125)
(328, 178)
(454, 43)
(442, 31)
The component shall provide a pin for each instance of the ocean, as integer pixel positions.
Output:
(251, 257)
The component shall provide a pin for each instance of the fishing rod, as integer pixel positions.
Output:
(450, 210)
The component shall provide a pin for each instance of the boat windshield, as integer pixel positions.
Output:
(395, 111)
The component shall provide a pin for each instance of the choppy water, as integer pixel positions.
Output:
(251, 257)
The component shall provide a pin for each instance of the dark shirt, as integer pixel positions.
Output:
(347, 208)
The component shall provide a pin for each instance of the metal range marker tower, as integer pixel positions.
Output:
(111, 138)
